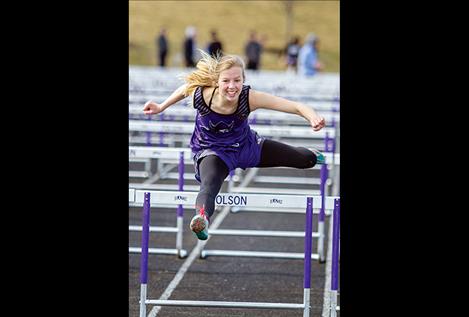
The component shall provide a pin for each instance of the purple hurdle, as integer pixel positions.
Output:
(307, 258)
(322, 213)
(324, 174)
(305, 306)
(335, 258)
(144, 256)
(180, 209)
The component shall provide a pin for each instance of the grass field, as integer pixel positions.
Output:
(233, 20)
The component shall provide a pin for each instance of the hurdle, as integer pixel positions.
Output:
(185, 114)
(226, 199)
(309, 98)
(188, 127)
(170, 133)
(179, 251)
(178, 127)
(168, 155)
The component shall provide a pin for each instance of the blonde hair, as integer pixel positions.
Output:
(209, 69)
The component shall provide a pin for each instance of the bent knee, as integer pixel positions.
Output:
(309, 159)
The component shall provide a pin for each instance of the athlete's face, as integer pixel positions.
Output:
(230, 83)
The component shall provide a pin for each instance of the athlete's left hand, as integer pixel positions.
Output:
(318, 123)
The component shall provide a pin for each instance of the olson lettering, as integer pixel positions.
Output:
(231, 200)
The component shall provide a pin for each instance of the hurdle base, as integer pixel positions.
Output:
(180, 253)
(221, 304)
(261, 233)
(258, 254)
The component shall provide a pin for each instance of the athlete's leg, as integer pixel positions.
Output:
(212, 172)
(275, 154)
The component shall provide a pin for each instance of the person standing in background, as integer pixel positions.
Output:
(291, 51)
(308, 60)
(162, 46)
(214, 46)
(189, 46)
(253, 51)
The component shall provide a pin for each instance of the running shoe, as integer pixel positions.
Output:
(199, 225)
(320, 158)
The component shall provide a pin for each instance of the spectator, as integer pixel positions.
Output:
(214, 46)
(291, 51)
(189, 46)
(253, 51)
(162, 45)
(308, 62)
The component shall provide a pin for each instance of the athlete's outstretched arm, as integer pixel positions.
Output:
(259, 100)
(152, 107)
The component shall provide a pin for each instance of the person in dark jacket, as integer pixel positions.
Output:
(189, 46)
(162, 45)
(214, 46)
(253, 51)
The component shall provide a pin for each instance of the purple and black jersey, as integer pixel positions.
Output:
(227, 136)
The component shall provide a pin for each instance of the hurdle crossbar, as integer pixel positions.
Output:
(232, 200)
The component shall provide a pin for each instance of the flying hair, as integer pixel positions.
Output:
(209, 69)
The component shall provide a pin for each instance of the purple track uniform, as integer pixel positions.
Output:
(227, 136)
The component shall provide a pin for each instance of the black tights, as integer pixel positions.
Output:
(213, 170)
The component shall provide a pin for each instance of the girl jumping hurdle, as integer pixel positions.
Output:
(222, 139)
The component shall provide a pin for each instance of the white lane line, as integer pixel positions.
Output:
(185, 266)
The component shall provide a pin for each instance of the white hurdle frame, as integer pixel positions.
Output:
(227, 199)
(179, 251)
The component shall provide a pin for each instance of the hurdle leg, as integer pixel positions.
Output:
(180, 210)
(148, 138)
(333, 304)
(148, 167)
(321, 217)
(230, 182)
(321, 257)
(144, 256)
(335, 259)
(307, 258)
(181, 253)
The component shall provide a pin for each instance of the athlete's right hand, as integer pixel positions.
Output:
(152, 107)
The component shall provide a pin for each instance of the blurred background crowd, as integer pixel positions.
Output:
(300, 37)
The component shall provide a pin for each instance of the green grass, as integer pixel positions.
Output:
(233, 20)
